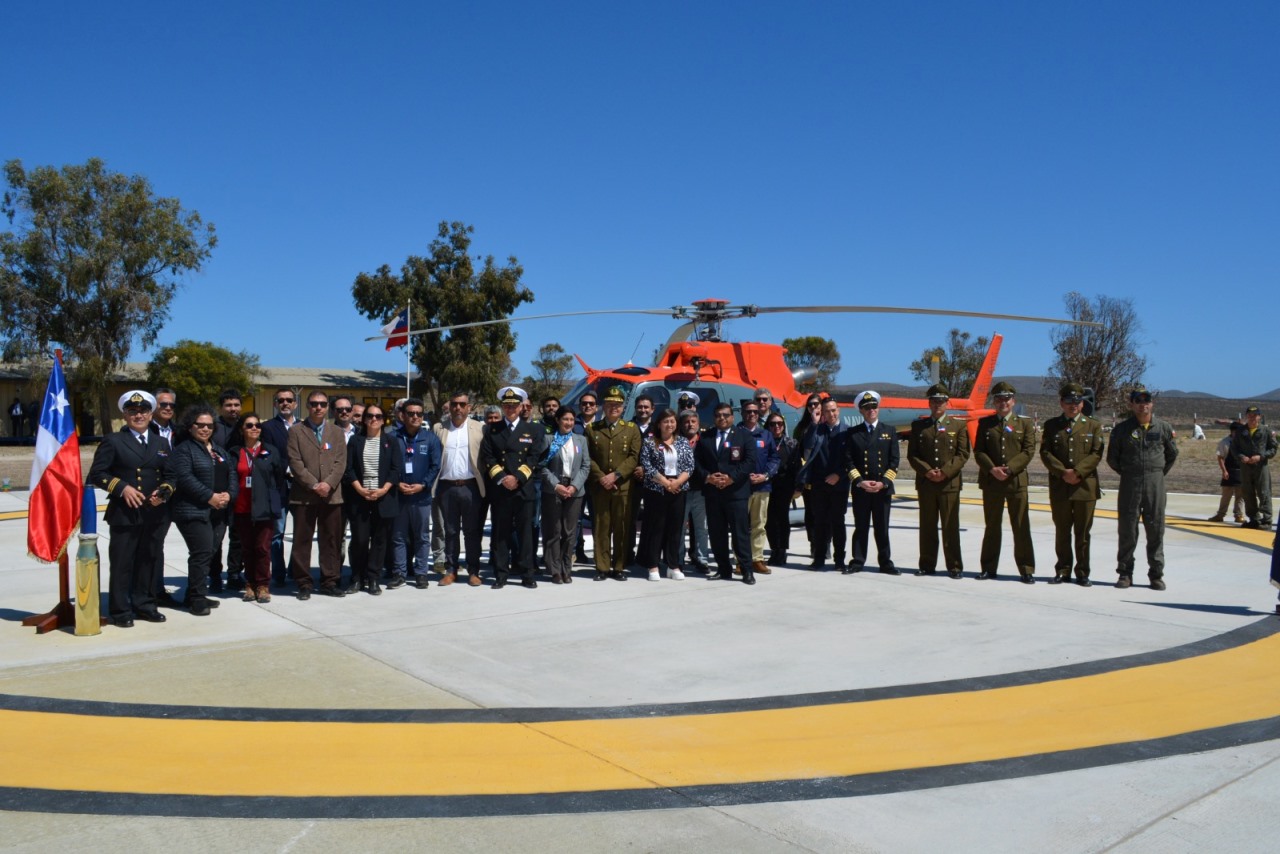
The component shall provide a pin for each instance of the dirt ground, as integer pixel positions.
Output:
(1195, 472)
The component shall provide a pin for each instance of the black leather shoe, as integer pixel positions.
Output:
(499, 583)
(201, 609)
(618, 576)
(848, 570)
(954, 573)
(208, 603)
(1057, 579)
(354, 587)
(817, 564)
(1084, 582)
(127, 622)
(421, 581)
(924, 572)
(1028, 579)
(748, 579)
(1123, 582)
(375, 589)
(725, 576)
(851, 567)
(986, 575)
(1157, 584)
(304, 593)
(600, 576)
(839, 563)
(398, 582)
(166, 600)
(335, 591)
(890, 570)
(529, 582)
(150, 616)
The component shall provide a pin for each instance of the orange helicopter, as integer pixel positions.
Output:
(697, 359)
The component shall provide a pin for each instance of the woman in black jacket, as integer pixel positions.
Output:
(204, 489)
(375, 463)
(777, 523)
(259, 476)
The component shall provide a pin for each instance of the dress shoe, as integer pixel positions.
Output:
(760, 567)
(150, 616)
(375, 589)
(447, 579)
(1057, 579)
(817, 564)
(619, 575)
(839, 563)
(848, 570)
(1217, 518)
(600, 576)
(1250, 524)
(499, 583)
(1123, 582)
(749, 579)
(725, 576)
(556, 579)
(304, 593)
(985, 575)
(1084, 582)
(1028, 578)
(333, 590)
(1157, 584)
(210, 603)
(473, 580)
(127, 622)
(530, 583)
(200, 609)
(568, 578)
(954, 573)
(264, 595)
(397, 582)
(925, 572)
(421, 581)
(890, 570)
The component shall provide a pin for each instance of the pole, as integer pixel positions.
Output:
(88, 613)
(408, 348)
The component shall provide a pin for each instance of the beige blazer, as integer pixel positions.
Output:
(312, 463)
(475, 435)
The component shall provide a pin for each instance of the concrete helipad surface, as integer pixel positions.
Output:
(813, 711)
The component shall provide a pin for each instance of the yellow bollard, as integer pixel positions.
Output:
(88, 619)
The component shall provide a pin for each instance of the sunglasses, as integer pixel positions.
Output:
(318, 404)
(751, 412)
(459, 403)
(252, 425)
(588, 403)
(816, 404)
(161, 404)
(343, 410)
(200, 425)
(284, 400)
(413, 413)
(777, 424)
(763, 399)
(373, 416)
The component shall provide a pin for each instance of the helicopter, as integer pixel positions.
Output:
(696, 358)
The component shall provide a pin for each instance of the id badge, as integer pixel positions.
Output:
(248, 482)
(408, 466)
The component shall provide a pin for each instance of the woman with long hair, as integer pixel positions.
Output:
(565, 467)
(204, 489)
(375, 464)
(777, 524)
(667, 460)
(259, 477)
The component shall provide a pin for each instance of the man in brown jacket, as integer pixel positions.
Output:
(1004, 445)
(317, 453)
(1072, 451)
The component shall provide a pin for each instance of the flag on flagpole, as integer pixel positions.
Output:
(56, 487)
(396, 329)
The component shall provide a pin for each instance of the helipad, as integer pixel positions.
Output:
(819, 711)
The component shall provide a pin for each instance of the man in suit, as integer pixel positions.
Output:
(725, 457)
(1071, 450)
(937, 450)
(128, 467)
(1004, 447)
(824, 479)
(317, 453)
(871, 454)
(614, 446)
(510, 455)
(275, 434)
(460, 489)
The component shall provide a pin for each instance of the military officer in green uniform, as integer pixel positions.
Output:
(1254, 446)
(1004, 446)
(1142, 451)
(1071, 449)
(614, 447)
(937, 450)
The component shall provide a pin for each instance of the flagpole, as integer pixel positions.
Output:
(408, 347)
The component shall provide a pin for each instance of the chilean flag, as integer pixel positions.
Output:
(55, 474)
(396, 329)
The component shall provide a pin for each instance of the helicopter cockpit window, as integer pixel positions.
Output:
(597, 387)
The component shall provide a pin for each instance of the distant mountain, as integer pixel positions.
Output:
(1173, 392)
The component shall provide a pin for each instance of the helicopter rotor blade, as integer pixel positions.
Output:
(885, 309)
(662, 312)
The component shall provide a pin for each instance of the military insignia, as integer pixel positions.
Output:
(735, 454)
(526, 439)
(1135, 435)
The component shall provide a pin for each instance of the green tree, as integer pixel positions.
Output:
(812, 351)
(1105, 357)
(445, 289)
(198, 371)
(93, 264)
(550, 372)
(958, 362)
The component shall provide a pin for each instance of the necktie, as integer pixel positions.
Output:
(142, 440)
(719, 439)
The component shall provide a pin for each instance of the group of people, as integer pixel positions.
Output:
(416, 497)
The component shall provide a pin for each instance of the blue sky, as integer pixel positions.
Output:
(988, 156)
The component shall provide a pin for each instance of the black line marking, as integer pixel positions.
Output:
(1254, 631)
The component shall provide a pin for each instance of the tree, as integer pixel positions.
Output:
(94, 263)
(811, 351)
(550, 372)
(1104, 357)
(958, 362)
(198, 371)
(444, 289)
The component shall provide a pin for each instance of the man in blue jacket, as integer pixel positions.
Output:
(412, 532)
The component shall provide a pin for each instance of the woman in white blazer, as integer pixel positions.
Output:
(564, 480)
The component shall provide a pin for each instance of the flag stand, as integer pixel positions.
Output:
(63, 614)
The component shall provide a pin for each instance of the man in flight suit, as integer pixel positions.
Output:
(1255, 445)
(1142, 451)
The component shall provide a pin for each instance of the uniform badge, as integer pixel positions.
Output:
(326, 446)
(735, 454)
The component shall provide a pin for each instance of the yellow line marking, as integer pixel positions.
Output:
(22, 514)
(297, 759)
